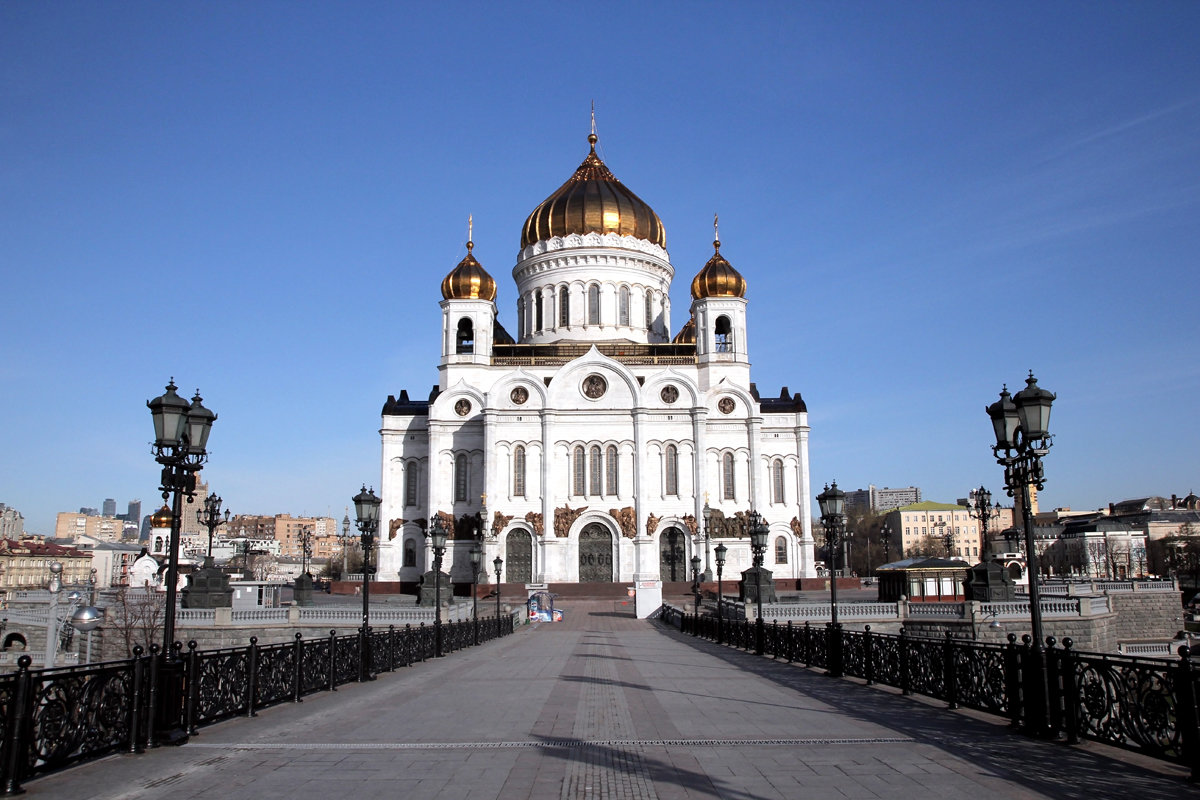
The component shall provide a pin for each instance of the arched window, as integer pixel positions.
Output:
(410, 553)
(579, 474)
(727, 485)
(410, 484)
(611, 471)
(461, 479)
(724, 335)
(539, 310)
(596, 472)
(623, 306)
(672, 470)
(777, 481)
(649, 309)
(564, 307)
(519, 471)
(781, 550)
(521, 316)
(593, 305)
(466, 336)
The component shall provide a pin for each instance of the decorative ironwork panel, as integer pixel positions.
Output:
(1129, 703)
(345, 660)
(276, 674)
(927, 667)
(885, 658)
(224, 684)
(314, 665)
(595, 554)
(979, 677)
(78, 714)
(854, 654)
(518, 557)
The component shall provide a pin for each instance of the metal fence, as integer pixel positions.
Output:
(1142, 704)
(54, 718)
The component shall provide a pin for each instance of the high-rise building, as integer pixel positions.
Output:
(588, 446)
(879, 501)
(109, 508)
(134, 512)
(12, 523)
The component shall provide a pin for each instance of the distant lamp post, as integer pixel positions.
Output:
(696, 588)
(720, 551)
(1022, 428)
(209, 586)
(707, 515)
(55, 587)
(476, 560)
(366, 509)
(981, 510)
(833, 519)
(437, 540)
(345, 544)
(758, 547)
(885, 538)
(180, 437)
(86, 620)
(497, 565)
(946, 534)
(211, 518)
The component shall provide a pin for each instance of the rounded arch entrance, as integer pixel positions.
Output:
(518, 556)
(595, 554)
(672, 555)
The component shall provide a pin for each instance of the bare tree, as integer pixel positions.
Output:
(137, 616)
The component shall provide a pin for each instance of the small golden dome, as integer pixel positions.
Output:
(718, 278)
(687, 334)
(469, 280)
(593, 201)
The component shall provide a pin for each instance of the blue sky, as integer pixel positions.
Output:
(927, 200)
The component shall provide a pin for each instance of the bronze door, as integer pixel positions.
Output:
(670, 556)
(518, 557)
(595, 555)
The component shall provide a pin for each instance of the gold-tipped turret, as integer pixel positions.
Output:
(718, 278)
(469, 280)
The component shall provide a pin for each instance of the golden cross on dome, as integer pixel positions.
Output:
(593, 117)
(470, 228)
(716, 233)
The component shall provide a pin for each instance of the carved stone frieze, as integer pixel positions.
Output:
(652, 524)
(499, 523)
(534, 518)
(626, 519)
(563, 519)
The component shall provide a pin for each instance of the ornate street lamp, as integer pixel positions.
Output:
(476, 560)
(696, 591)
(833, 518)
(758, 546)
(437, 540)
(345, 543)
(720, 551)
(211, 518)
(180, 436)
(497, 564)
(306, 551)
(885, 538)
(1022, 428)
(366, 509)
(981, 510)
(707, 515)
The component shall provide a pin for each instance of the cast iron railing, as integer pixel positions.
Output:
(1142, 704)
(54, 718)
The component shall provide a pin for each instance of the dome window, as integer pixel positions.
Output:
(723, 331)
(593, 305)
(564, 308)
(465, 337)
(623, 306)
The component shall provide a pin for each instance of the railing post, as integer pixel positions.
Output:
(193, 690)
(807, 643)
(950, 671)
(298, 667)
(791, 648)
(1070, 690)
(251, 676)
(1184, 677)
(905, 658)
(868, 656)
(137, 704)
(391, 659)
(774, 641)
(1054, 717)
(152, 699)
(16, 737)
(1012, 682)
(332, 660)
(407, 646)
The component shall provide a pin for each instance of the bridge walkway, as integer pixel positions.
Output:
(603, 705)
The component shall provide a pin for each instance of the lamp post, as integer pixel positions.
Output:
(707, 514)
(720, 553)
(833, 517)
(497, 563)
(345, 543)
(1022, 428)
(847, 542)
(180, 436)
(476, 560)
(55, 586)
(758, 546)
(946, 534)
(210, 517)
(305, 547)
(437, 539)
(981, 510)
(696, 591)
(885, 538)
(366, 509)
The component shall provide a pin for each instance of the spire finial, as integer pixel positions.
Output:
(592, 137)
(716, 234)
(470, 231)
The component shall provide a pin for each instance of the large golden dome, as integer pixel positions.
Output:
(718, 278)
(469, 280)
(593, 201)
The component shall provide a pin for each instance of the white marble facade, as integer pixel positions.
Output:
(590, 446)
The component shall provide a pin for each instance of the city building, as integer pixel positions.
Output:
(914, 522)
(111, 560)
(287, 531)
(25, 564)
(69, 526)
(109, 507)
(12, 523)
(586, 446)
(878, 501)
(1100, 547)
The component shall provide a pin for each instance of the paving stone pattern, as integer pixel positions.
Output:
(606, 706)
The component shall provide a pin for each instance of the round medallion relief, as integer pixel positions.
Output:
(519, 395)
(462, 407)
(726, 405)
(669, 394)
(594, 386)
